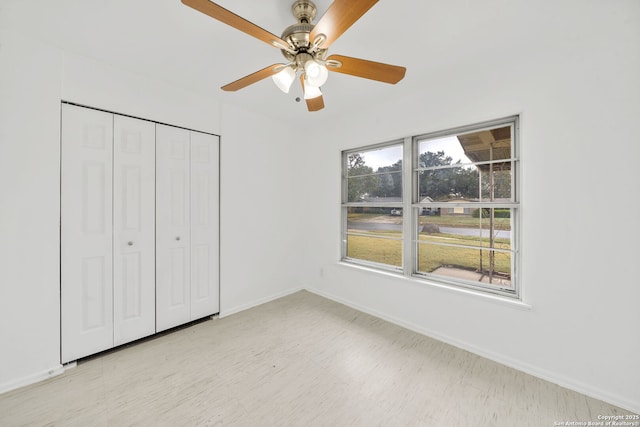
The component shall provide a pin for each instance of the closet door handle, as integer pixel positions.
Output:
(130, 243)
(178, 238)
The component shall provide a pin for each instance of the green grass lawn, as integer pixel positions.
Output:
(385, 251)
(431, 256)
(362, 216)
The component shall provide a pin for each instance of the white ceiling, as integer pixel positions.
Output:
(174, 43)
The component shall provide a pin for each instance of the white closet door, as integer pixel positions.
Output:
(133, 229)
(204, 225)
(173, 291)
(86, 232)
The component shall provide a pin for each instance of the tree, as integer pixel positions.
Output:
(389, 181)
(446, 183)
(430, 159)
(361, 180)
(355, 160)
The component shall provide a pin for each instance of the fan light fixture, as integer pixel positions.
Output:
(284, 78)
(310, 90)
(316, 73)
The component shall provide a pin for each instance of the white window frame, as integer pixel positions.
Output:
(411, 208)
(346, 205)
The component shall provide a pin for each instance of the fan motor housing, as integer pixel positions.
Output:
(297, 35)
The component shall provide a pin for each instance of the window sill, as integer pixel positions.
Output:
(421, 281)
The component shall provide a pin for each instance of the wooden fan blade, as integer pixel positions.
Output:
(338, 18)
(253, 78)
(368, 69)
(237, 22)
(313, 104)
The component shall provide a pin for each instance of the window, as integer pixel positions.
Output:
(373, 182)
(450, 215)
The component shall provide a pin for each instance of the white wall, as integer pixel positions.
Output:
(577, 89)
(29, 211)
(34, 78)
(261, 187)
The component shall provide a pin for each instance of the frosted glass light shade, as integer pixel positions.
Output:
(284, 79)
(311, 91)
(316, 73)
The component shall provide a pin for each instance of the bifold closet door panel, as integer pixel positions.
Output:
(133, 229)
(173, 291)
(86, 232)
(205, 299)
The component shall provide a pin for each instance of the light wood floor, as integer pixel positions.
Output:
(298, 361)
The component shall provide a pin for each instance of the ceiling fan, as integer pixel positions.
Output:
(305, 46)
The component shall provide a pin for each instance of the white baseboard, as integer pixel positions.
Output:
(552, 377)
(31, 379)
(255, 303)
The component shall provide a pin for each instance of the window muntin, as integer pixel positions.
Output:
(462, 215)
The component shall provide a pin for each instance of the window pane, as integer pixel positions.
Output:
(377, 188)
(370, 161)
(380, 221)
(375, 249)
(475, 147)
(458, 168)
(496, 181)
(386, 222)
(375, 175)
(441, 152)
(433, 229)
(487, 145)
(476, 265)
(496, 231)
(456, 183)
(375, 234)
(466, 227)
